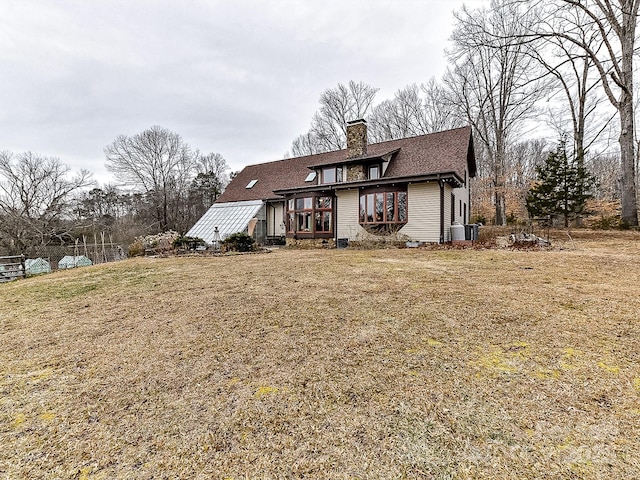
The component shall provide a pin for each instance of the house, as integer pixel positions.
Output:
(413, 188)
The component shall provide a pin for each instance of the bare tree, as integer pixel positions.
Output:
(577, 81)
(158, 163)
(438, 114)
(36, 200)
(404, 116)
(306, 144)
(605, 168)
(414, 110)
(328, 127)
(382, 123)
(614, 25)
(522, 160)
(494, 84)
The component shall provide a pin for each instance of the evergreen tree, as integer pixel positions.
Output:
(204, 190)
(563, 186)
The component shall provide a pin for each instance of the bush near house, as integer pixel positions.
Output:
(188, 243)
(239, 242)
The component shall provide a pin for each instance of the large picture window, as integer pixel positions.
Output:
(310, 215)
(383, 207)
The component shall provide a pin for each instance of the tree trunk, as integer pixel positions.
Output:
(628, 181)
(499, 178)
(501, 216)
(625, 108)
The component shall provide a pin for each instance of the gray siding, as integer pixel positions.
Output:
(462, 194)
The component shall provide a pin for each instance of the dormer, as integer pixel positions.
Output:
(357, 169)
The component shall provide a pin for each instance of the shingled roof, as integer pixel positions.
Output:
(450, 151)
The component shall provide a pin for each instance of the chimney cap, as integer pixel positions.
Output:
(359, 120)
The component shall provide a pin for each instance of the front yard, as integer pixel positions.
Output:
(328, 364)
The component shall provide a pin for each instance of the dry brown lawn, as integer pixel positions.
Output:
(333, 364)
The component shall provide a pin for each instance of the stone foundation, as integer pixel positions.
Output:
(311, 242)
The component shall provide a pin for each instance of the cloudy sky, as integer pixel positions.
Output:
(241, 78)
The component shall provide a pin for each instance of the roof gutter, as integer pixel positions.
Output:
(358, 159)
(447, 177)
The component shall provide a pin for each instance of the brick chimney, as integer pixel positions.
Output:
(356, 138)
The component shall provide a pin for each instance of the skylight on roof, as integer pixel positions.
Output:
(311, 177)
(251, 184)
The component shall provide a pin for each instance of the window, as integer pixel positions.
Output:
(332, 175)
(310, 215)
(323, 215)
(251, 184)
(311, 177)
(453, 208)
(383, 207)
(374, 172)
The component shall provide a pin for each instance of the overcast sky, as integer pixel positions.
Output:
(241, 78)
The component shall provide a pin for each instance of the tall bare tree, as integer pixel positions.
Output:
(438, 114)
(158, 163)
(578, 83)
(36, 200)
(328, 127)
(494, 84)
(414, 110)
(614, 24)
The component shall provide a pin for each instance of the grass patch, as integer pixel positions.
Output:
(328, 364)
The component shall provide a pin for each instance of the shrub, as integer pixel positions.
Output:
(159, 243)
(604, 215)
(613, 222)
(188, 242)
(479, 218)
(136, 249)
(239, 242)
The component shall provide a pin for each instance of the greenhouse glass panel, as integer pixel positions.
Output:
(229, 217)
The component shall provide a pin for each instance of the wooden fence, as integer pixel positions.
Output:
(12, 268)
